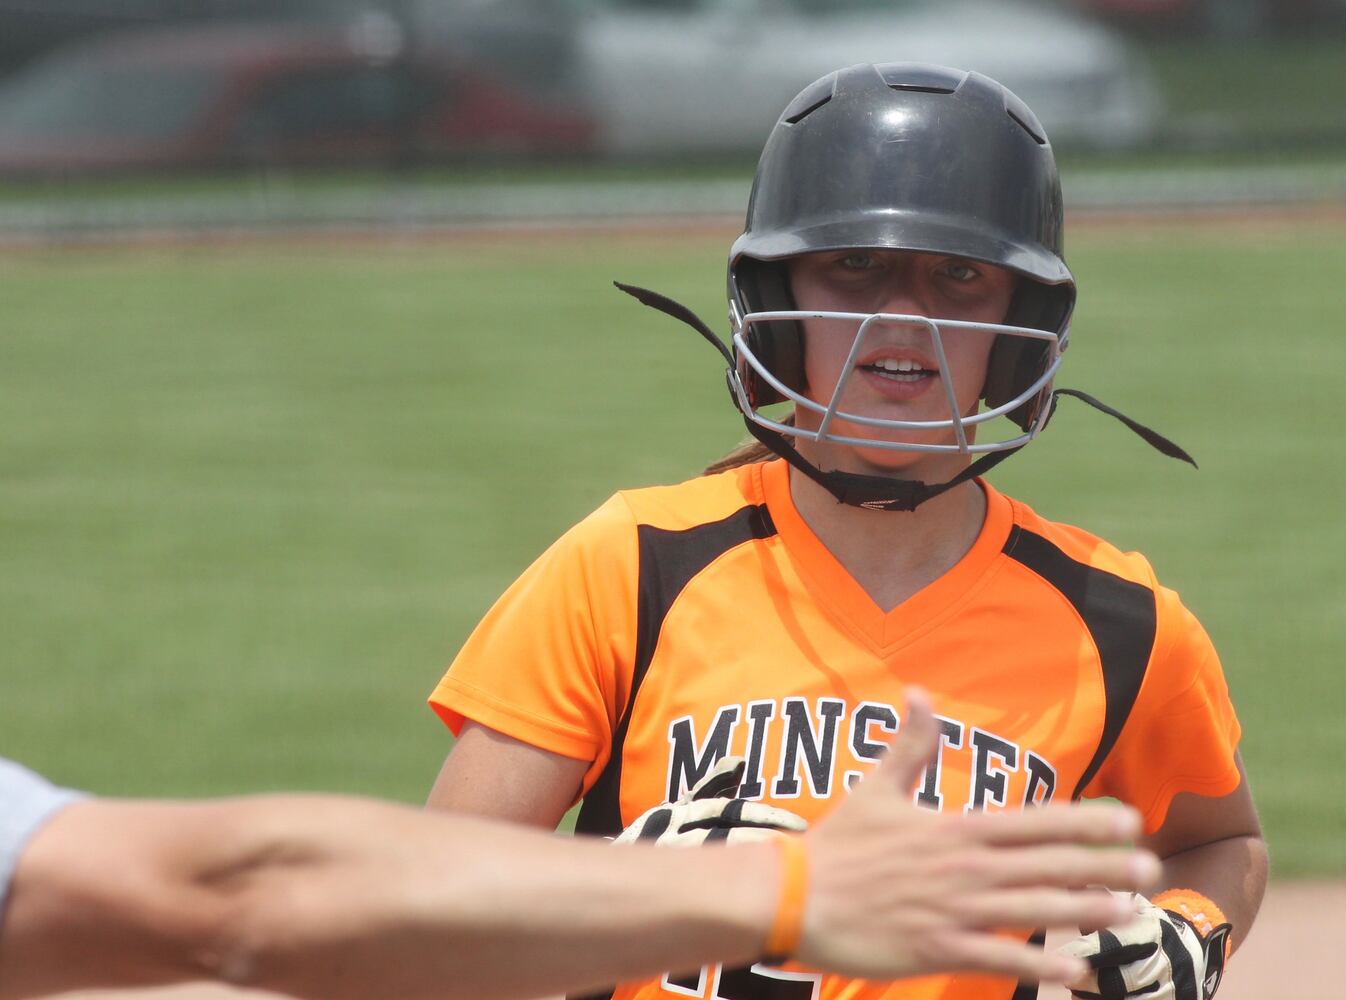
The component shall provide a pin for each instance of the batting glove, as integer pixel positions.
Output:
(1160, 955)
(711, 811)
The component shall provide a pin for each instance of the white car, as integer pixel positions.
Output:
(711, 76)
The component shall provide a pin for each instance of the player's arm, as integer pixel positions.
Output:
(1214, 846)
(495, 776)
(1214, 864)
(326, 897)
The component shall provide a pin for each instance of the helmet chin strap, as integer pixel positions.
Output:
(878, 492)
(871, 492)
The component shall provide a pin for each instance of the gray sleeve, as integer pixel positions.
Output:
(26, 802)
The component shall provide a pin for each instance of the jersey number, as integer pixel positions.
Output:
(760, 982)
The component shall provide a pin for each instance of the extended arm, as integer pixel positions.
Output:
(328, 897)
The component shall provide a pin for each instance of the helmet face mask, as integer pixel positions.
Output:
(751, 372)
(903, 157)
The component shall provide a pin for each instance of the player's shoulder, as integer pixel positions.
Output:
(1037, 538)
(608, 534)
(695, 502)
(1092, 572)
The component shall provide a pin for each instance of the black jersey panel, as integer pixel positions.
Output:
(1120, 616)
(1028, 990)
(669, 560)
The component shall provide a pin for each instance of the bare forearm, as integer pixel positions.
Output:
(99, 897)
(1231, 872)
(333, 898)
(452, 915)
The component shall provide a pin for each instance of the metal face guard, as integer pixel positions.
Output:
(957, 423)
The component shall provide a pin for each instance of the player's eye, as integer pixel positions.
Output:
(960, 271)
(858, 262)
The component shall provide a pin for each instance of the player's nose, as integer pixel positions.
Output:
(907, 298)
(906, 293)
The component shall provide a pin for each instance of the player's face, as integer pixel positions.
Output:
(897, 373)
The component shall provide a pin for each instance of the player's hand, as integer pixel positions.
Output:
(1159, 955)
(897, 890)
(711, 811)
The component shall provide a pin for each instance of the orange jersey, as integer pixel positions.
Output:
(678, 624)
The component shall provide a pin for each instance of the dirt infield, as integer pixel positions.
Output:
(1286, 957)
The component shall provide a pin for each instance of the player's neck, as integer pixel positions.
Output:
(893, 554)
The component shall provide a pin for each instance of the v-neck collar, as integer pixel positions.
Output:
(842, 596)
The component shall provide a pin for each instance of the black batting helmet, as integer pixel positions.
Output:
(905, 156)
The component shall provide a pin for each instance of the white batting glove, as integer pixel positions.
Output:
(710, 811)
(1159, 955)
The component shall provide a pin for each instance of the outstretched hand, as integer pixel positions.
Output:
(897, 890)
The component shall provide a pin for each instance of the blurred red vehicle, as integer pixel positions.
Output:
(223, 96)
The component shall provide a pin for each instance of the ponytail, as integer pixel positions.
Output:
(748, 453)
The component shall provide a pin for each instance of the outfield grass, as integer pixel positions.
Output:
(253, 499)
(1267, 93)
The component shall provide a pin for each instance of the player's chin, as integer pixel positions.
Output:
(905, 454)
(881, 461)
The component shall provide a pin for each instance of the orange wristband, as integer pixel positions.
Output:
(1200, 911)
(788, 927)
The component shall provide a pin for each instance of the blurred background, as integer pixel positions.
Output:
(190, 115)
(309, 343)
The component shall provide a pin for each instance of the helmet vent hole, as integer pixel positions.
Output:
(921, 78)
(1024, 117)
(809, 100)
(799, 116)
(920, 90)
(1041, 140)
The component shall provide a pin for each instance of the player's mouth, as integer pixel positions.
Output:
(900, 371)
(899, 375)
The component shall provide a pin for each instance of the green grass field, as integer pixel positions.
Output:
(252, 499)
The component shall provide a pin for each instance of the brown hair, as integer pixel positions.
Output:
(745, 454)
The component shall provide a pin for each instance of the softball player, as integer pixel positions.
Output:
(899, 290)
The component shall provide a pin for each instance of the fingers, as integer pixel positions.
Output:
(1124, 955)
(735, 813)
(1085, 947)
(721, 782)
(970, 951)
(650, 825)
(757, 814)
(1043, 907)
(917, 742)
(1068, 866)
(743, 835)
(719, 835)
(1091, 824)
